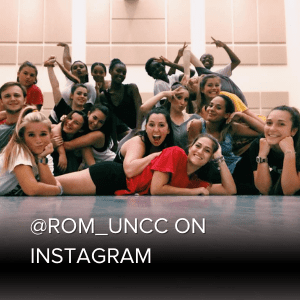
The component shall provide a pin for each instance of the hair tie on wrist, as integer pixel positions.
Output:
(61, 190)
(290, 151)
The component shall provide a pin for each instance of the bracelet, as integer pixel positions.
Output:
(61, 190)
(289, 151)
(219, 159)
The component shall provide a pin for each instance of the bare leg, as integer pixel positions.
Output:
(77, 183)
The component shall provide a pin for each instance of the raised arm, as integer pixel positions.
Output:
(67, 60)
(179, 55)
(150, 103)
(68, 74)
(235, 61)
(166, 62)
(54, 84)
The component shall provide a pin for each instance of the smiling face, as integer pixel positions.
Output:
(80, 96)
(73, 123)
(96, 119)
(217, 110)
(98, 73)
(27, 76)
(201, 152)
(212, 88)
(157, 70)
(118, 73)
(179, 103)
(278, 126)
(157, 129)
(207, 60)
(12, 99)
(79, 69)
(36, 137)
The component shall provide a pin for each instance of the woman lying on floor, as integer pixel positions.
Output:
(171, 173)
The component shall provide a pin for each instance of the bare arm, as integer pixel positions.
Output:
(262, 176)
(290, 177)
(150, 103)
(134, 162)
(87, 155)
(195, 129)
(179, 55)
(94, 138)
(137, 102)
(160, 186)
(54, 84)
(67, 60)
(68, 74)
(255, 127)
(235, 61)
(227, 186)
(29, 184)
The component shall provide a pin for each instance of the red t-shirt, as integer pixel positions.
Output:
(172, 160)
(34, 96)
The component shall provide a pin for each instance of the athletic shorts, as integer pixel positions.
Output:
(108, 177)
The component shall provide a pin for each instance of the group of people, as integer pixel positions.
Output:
(195, 136)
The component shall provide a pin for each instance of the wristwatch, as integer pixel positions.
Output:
(261, 160)
(43, 160)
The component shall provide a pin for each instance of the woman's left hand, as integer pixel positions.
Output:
(218, 153)
(287, 144)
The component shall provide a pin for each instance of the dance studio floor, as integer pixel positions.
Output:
(189, 246)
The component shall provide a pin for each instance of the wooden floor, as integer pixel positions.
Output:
(204, 247)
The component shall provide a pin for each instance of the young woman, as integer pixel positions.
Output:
(27, 76)
(68, 129)
(95, 139)
(124, 100)
(171, 173)
(26, 156)
(210, 87)
(79, 70)
(177, 104)
(77, 96)
(275, 157)
(220, 125)
(98, 71)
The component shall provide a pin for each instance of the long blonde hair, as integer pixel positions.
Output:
(17, 143)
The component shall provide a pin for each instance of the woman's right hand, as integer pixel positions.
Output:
(57, 141)
(48, 150)
(264, 148)
(202, 191)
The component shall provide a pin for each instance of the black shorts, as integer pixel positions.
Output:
(108, 177)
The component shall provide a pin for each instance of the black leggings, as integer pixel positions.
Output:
(108, 177)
